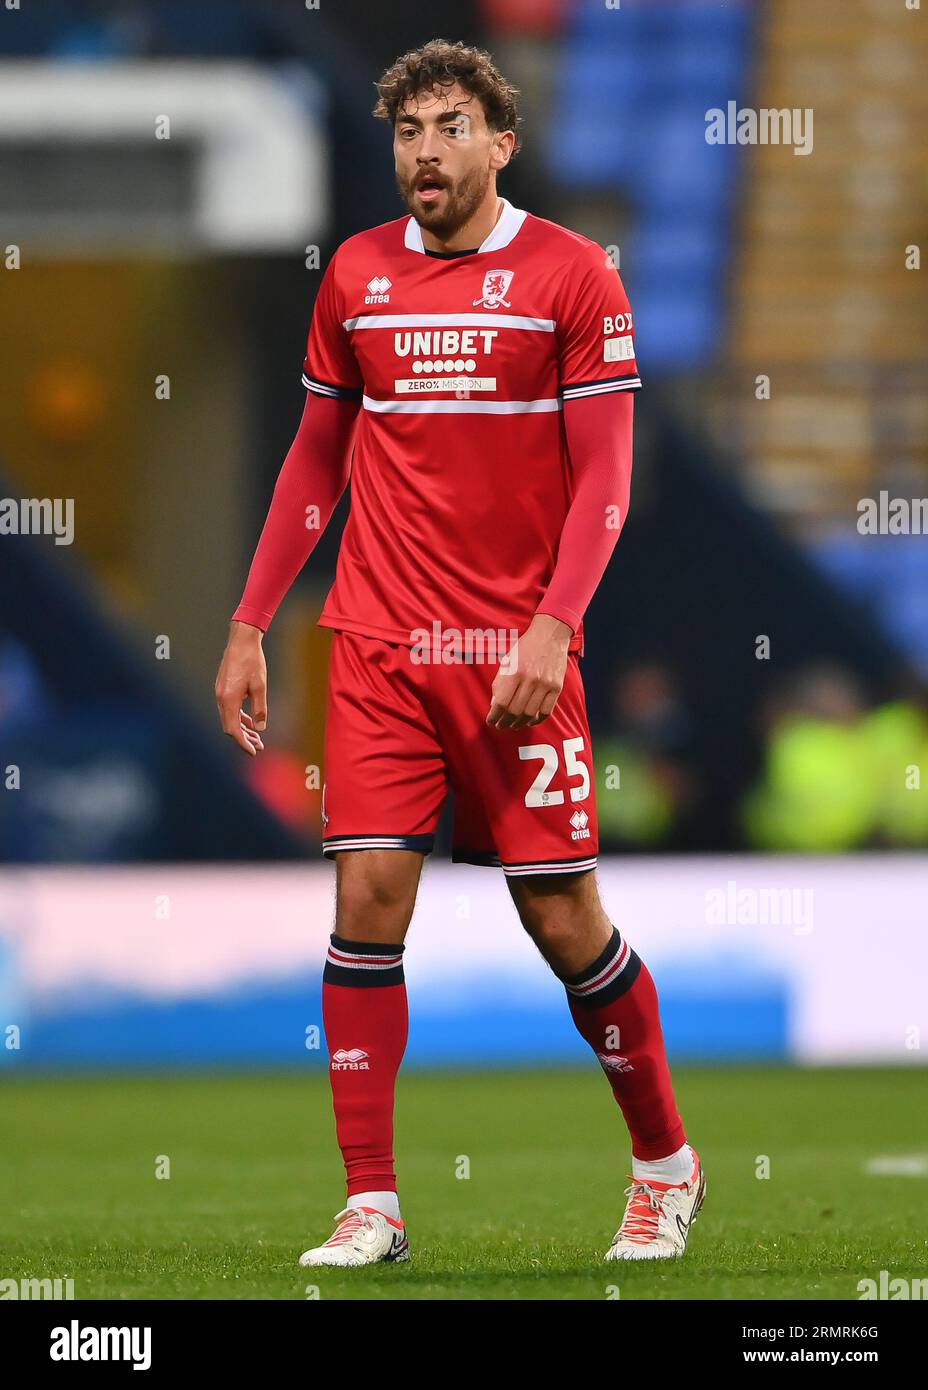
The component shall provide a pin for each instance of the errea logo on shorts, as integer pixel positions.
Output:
(350, 1059)
(377, 290)
(580, 822)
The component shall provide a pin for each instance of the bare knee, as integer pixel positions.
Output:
(563, 915)
(375, 893)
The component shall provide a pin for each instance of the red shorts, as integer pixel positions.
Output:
(399, 735)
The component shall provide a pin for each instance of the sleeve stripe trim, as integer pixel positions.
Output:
(326, 388)
(603, 389)
(599, 388)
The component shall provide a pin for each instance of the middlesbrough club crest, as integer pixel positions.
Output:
(495, 285)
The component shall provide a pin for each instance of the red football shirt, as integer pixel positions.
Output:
(461, 479)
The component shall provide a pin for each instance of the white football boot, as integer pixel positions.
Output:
(658, 1217)
(363, 1236)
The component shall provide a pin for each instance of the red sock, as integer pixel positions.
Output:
(366, 1021)
(614, 1005)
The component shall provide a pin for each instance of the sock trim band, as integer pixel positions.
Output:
(362, 963)
(613, 972)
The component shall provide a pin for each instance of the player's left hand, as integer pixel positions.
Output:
(529, 681)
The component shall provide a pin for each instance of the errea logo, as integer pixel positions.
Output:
(611, 1061)
(377, 290)
(580, 822)
(350, 1059)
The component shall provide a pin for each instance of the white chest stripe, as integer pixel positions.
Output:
(462, 407)
(450, 321)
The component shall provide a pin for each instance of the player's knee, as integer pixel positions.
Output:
(373, 898)
(545, 911)
(555, 908)
(550, 930)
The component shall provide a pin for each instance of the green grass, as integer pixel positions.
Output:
(255, 1179)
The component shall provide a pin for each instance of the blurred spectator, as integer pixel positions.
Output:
(897, 734)
(648, 786)
(838, 776)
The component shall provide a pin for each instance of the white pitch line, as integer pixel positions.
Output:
(898, 1166)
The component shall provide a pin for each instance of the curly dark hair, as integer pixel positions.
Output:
(439, 63)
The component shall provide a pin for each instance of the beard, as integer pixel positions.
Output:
(461, 200)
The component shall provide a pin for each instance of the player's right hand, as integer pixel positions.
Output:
(243, 676)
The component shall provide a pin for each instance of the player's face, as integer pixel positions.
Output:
(443, 137)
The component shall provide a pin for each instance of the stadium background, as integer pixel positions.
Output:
(163, 902)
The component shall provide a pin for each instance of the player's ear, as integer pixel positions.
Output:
(501, 153)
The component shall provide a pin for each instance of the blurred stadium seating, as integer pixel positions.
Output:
(629, 113)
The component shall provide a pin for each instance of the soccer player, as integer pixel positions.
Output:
(472, 367)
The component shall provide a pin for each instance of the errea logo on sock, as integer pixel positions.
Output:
(611, 1061)
(350, 1059)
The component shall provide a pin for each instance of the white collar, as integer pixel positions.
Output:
(507, 225)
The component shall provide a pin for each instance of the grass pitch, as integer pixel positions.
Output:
(255, 1178)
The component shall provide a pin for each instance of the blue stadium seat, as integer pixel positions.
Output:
(629, 115)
